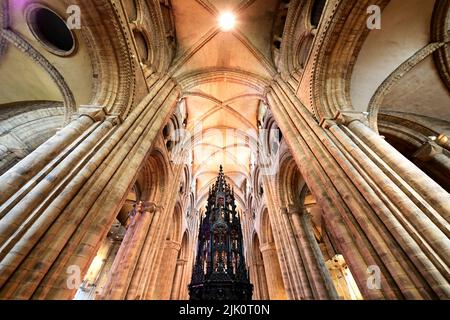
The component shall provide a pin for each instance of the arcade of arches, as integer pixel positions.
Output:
(333, 136)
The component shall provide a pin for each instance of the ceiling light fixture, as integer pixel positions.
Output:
(227, 20)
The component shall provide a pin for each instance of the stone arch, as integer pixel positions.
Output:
(298, 36)
(332, 71)
(406, 76)
(258, 186)
(266, 228)
(251, 206)
(148, 186)
(185, 182)
(175, 226)
(422, 140)
(173, 133)
(132, 10)
(153, 175)
(303, 50)
(142, 46)
(289, 179)
(190, 80)
(24, 126)
(272, 135)
(317, 7)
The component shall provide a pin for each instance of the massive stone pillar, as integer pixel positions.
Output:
(257, 271)
(184, 268)
(168, 267)
(302, 264)
(383, 211)
(178, 280)
(273, 272)
(59, 202)
(317, 273)
(142, 280)
(259, 280)
(289, 271)
(125, 263)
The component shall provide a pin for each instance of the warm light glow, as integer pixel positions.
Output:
(227, 20)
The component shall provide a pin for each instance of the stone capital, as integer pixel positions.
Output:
(295, 210)
(347, 117)
(114, 119)
(96, 113)
(428, 151)
(267, 247)
(145, 207)
(174, 245)
(150, 207)
(327, 123)
(292, 209)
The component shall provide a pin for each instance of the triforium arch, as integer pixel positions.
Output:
(334, 138)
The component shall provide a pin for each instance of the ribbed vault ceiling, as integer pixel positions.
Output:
(223, 75)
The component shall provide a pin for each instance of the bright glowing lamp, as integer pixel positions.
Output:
(227, 20)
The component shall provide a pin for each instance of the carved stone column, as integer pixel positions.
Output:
(296, 251)
(65, 198)
(416, 178)
(167, 270)
(380, 208)
(273, 272)
(126, 260)
(261, 280)
(143, 281)
(50, 151)
(283, 239)
(178, 280)
(435, 158)
(318, 276)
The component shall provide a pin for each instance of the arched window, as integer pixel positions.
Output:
(316, 12)
(50, 30)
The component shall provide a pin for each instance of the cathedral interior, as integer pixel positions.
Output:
(297, 148)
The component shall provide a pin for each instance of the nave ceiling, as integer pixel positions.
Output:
(223, 74)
